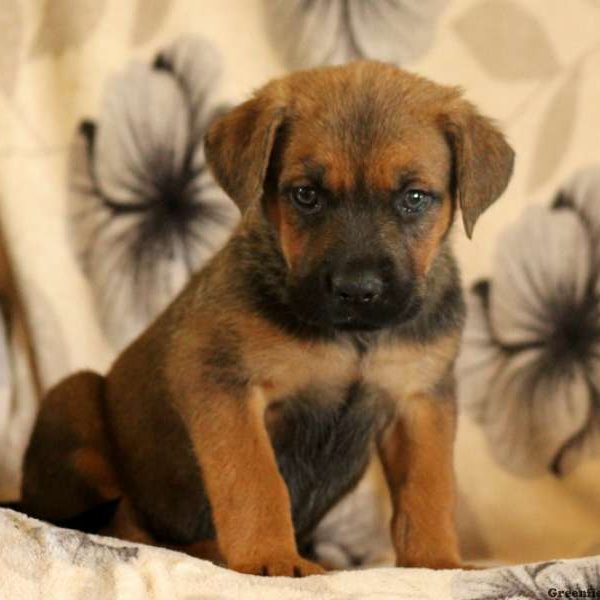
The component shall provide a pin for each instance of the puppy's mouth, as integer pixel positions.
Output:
(379, 317)
(351, 319)
(352, 323)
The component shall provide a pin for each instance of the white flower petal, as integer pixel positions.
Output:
(133, 279)
(533, 412)
(593, 363)
(541, 266)
(480, 358)
(104, 243)
(306, 36)
(583, 190)
(137, 261)
(143, 133)
(394, 31)
(197, 65)
(336, 31)
(86, 212)
(131, 289)
(586, 445)
(211, 193)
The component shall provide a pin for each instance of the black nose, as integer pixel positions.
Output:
(357, 287)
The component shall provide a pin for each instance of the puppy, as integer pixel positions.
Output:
(325, 329)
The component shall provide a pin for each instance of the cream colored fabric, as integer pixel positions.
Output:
(531, 64)
(37, 560)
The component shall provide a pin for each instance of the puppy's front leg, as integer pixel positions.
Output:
(248, 497)
(417, 456)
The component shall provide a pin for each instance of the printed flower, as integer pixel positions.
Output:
(529, 371)
(317, 32)
(145, 211)
(529, 582)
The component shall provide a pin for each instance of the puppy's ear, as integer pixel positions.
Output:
(482, 161)
(238, 145)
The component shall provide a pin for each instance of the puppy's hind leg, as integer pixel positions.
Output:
(67, 470)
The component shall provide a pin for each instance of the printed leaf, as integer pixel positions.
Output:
(148, 18)
(11, 26)
(556, 131)
(507, 41)
(66, 23)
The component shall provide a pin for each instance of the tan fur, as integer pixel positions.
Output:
(416, 454)
(422, 366)
(258, 531)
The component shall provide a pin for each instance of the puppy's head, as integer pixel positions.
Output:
(359, 170)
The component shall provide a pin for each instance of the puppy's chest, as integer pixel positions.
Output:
(385, 373)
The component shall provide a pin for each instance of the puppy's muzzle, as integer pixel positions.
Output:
(364, 295)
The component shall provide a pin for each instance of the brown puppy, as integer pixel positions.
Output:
(325, 328)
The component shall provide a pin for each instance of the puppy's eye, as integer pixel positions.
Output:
(306, 199)
(413, 202)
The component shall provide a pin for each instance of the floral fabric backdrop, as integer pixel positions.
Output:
(107, 207)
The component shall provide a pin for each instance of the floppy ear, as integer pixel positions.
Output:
(238, 146)
(482, 161)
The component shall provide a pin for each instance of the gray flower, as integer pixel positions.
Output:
(145, 210)
(316, 32)
(528, 582)
(529, 370)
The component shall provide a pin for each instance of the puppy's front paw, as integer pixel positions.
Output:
(286, 566)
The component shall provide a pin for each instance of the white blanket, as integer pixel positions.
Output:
(40, 561)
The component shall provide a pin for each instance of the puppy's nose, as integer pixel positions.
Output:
(357, 288)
